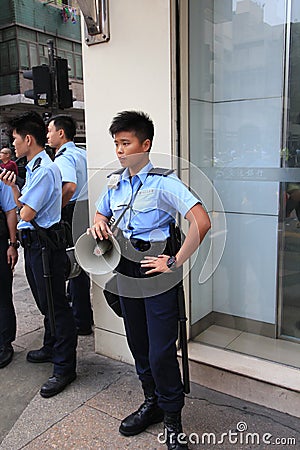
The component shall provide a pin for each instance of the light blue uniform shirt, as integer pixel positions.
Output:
(42, 191)
(153, 208)
(7, 202)
(71, 161)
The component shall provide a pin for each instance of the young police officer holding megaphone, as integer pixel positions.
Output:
(149, 310)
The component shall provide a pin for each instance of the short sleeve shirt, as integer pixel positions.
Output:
(42, 191)
(154, 206)
(7, 202)
(71, 161)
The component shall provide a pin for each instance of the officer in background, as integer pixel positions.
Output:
(40, 201)
(8, 260)
(72, 164)
(146, 285)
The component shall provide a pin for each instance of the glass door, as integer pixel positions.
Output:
(289, 263)
(244, 111)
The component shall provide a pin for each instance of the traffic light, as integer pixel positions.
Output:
(64, 94)
(42, 86)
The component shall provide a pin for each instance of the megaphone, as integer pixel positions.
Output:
(95, 256)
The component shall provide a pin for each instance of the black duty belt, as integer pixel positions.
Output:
(26, 235)
(135, 249)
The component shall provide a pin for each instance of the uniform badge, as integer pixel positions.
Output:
(113, 181)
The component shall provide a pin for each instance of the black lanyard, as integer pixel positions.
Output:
(129, 205)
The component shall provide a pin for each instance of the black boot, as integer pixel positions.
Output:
(148, 413)
(175, 438)
(6, 355)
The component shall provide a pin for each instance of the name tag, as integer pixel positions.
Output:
(146, 191)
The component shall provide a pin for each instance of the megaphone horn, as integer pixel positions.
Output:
(95, 256)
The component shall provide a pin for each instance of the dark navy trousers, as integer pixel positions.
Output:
(79, 291)
(7, 311)
(79, 287)
(151, 325)
(63, 344)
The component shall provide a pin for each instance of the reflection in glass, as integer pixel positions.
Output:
(290, 157)
(237, 82)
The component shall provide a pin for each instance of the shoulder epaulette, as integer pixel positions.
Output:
(60, 153)
(154, 171)
(117, 172)
(36, 164)
(160, 171)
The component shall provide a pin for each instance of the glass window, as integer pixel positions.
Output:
(9, 84)
(43, 54)
(24, 55)
(26, 34)
(13, 55)
(64, 44)
(71, 64)
(77, 48)
(43, 38)
(9, 33)
(33, 54)
(61, 53)
(78, 65)
(237, 63)
(290, 193)
(4, 58)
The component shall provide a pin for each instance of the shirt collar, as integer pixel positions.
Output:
(142, 174)
(30, 165)
(69, 144)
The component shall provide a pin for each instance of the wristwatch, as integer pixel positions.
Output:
(15, 245)
(171, 263)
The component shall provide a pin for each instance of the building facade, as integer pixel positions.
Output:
(25, 28)
(220, 80)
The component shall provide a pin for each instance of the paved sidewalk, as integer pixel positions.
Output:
(87, 414)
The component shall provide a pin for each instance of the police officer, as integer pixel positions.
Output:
(150, 310)
(71, 161)
(39, 229)
(8, 260)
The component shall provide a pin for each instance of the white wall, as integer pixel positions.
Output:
(131, 71)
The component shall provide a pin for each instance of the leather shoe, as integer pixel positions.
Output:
(147, 414)
(39, 356)
(56, 384)
(6, 355)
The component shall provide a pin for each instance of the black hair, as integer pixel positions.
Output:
(135, 121)
(29, 123)
(66, 123)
